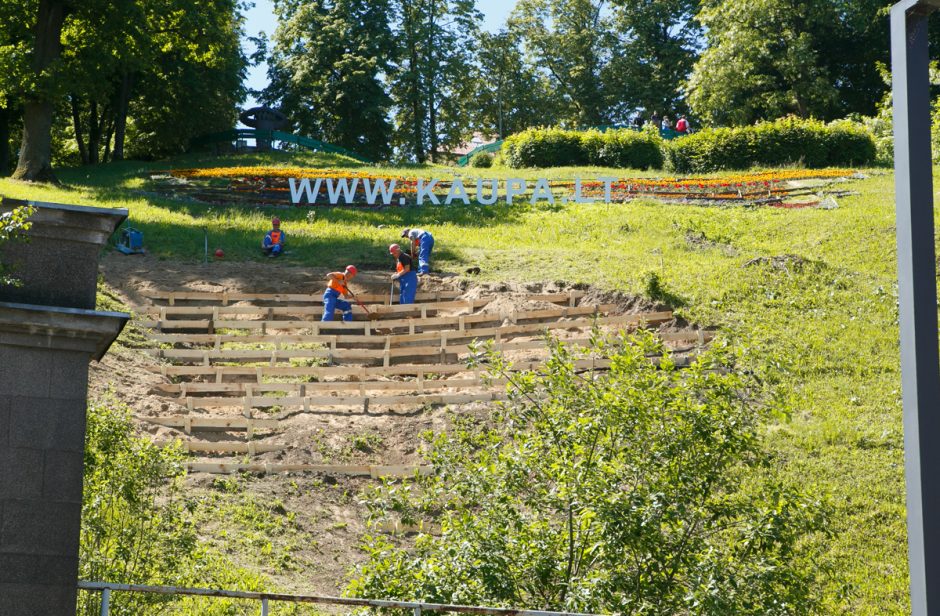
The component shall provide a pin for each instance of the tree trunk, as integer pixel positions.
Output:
(432, 74)
(94, 134)
(120, 120)
(4, 140)
(35, 163)
(108, 135)
(77, 127)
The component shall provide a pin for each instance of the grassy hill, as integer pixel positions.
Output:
(809, 294)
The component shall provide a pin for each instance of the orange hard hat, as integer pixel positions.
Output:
(394, 248)
(352, 269)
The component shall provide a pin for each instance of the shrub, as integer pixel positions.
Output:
(544, 147)
(574, 496)
(481, 160)
(787, 141)
(553, 147)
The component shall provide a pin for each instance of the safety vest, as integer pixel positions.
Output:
(337, 286)
(275, 237)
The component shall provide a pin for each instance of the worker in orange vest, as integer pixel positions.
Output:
(406, 276)
(273, 243)
(337, 284)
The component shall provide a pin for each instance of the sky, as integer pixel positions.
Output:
(261, 18)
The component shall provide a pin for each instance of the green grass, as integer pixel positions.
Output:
(824, 331)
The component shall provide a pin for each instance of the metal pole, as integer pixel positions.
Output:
(264, 606)
(105, 601)
(917, 295)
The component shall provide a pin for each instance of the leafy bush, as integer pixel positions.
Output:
(13, 226)
(481, 160)
(555, 147)
(787, 141)
(544, 147)
(642, 489)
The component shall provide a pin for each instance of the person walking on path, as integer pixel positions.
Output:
(337, 285)
(273, 242)
(422, 242)
(404, 274)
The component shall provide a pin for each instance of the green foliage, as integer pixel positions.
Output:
(512, 93)
(13, 225)
(788, 141)
(326, 69)
(481, 160)
(135, 526)
(555, 147)
(632, 491)
(430, 82)
(768, 58)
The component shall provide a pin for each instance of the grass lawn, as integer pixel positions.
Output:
(821, 324)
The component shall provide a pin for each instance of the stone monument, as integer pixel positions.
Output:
(49, 330)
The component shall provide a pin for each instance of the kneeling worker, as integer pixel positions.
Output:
(421, 243)
(338, 285)
(273, 242)
(406, 277)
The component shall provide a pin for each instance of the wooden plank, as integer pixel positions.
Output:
(309, 298)
(379, 309)
(306, 402)
(326, 469)
(225, 297)
(251, 448)
(241, 388)
(349, 371)
(320, 326)
(650, 318)
(210, 423)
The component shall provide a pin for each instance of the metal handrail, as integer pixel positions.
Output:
(265, 597)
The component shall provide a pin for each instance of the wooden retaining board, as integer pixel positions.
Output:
(379, 309)
(458, 323)
(308, 403)
(226, 297)
(374, 472)
(339, 340)
(262, 372)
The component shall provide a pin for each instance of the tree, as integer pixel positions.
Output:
(326, 67)
(512, 94)
(768, 58)
(35, 162)
(429, 82)
(657, 47)
(572, 40)
(642, 489)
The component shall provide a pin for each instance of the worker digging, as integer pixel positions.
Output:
(337, 285)
(405, 275)
(422, 242)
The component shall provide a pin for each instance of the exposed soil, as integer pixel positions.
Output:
(327, 514)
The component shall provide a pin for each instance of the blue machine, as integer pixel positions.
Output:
(131, 241)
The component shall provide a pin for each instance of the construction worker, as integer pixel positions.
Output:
(273, 243)
(338, 285)
(421, 244)
(404, 274)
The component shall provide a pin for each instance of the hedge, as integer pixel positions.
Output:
(787, 141)
(784, 142)
(555, 147)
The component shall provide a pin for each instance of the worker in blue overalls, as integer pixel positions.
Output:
(338, 284)
(273, 243)
(421, 244)
(407, 278)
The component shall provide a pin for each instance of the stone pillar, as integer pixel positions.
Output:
(48, 333)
